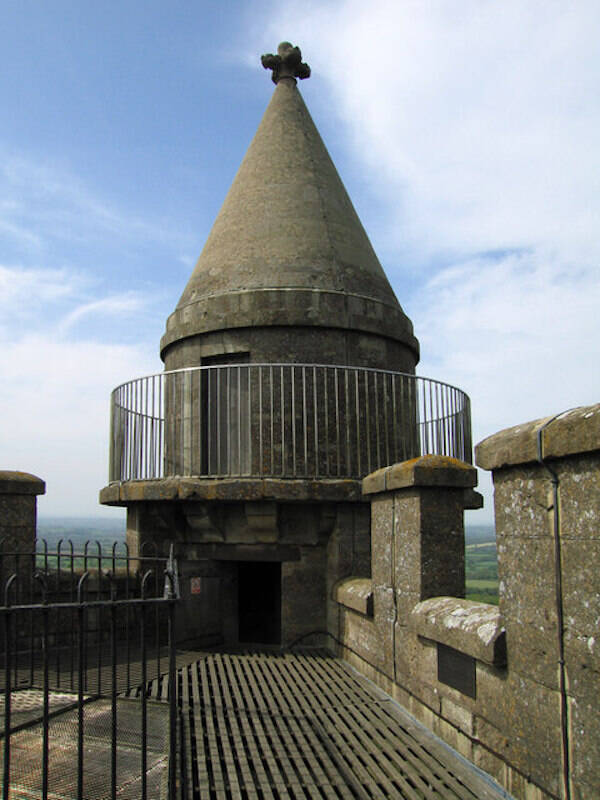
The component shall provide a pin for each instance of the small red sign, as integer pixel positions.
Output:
(196, 585)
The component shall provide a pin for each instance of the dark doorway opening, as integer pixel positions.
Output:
(259, 602)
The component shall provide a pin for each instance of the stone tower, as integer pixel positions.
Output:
(289, 375)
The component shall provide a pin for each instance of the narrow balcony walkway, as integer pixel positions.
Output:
(253, 725)
(306, 725)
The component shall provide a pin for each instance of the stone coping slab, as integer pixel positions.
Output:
(470, 627)
(355, 593)
(428, 470)
(572, 432)
(240, 489)
(15, 482)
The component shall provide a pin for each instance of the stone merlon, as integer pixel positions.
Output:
(569, 433)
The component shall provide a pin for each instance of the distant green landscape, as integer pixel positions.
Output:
(481, 560)
(481, 564)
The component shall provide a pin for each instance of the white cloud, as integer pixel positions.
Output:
(41, 202)
(478, 125)
(56, 396)
(107, 306)
(56, 389)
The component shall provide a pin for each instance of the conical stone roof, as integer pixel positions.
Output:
(287, 247)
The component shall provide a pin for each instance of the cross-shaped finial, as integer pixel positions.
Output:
(286, 64)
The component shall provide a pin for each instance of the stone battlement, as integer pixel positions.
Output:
(514, 688)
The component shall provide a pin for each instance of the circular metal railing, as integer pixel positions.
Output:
(282, 421)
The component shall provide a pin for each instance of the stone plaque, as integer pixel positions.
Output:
(456, 669)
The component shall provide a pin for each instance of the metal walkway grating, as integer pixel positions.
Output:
(306, 725)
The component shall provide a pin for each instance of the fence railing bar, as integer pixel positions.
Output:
(205, 422)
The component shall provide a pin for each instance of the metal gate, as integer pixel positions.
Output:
(85, 635)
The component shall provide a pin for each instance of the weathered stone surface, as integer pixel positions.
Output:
(203, 521)
(579, 478)
(262, 519)
(473, 628)
(428, 470)
(304, 595)
(581, 589)
(497, 749)
(574, 431)
(218, 489)
(382, 540)
(18, 510)
(527, 594)
(110, 495)
(299, 252)
(356, 594)
(287, 63)
(472, 500)
(359, 634)
(521, 503)
(15, 482)
(300, 523)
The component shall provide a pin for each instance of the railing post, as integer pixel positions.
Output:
(80, 683)
(171, 595)
(7, 686)
(144, 721)
(41, 577)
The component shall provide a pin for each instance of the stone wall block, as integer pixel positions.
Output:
(416, 660)
(382, 527)
(533, 652)
(521, 501)
(359, 634)
(16, 511)
(511, 749)
(384, 607)
(580, 496)
(526, 594)
(583, 682)
(584, 738)
(581, 587)
(304, 594)
(533, 715)
(361, 540)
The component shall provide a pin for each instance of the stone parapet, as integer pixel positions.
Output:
(547, 508)
(514, 688)
(572, 432)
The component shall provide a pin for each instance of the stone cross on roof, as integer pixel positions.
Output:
(286, 64)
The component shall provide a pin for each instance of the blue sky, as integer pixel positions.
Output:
(466, 132)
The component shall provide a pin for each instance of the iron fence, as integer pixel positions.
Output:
(282, 420)
(83, 634)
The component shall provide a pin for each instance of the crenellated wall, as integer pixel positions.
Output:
(514, 688)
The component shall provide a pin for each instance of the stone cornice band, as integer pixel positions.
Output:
(288, 306)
